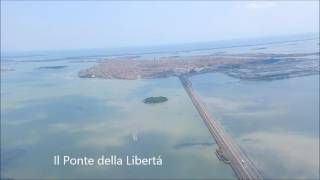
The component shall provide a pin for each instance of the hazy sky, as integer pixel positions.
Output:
(82, 24)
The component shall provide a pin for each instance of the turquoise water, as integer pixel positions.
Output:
(45, 112)
(276, 122)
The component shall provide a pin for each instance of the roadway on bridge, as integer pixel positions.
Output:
(242, 166)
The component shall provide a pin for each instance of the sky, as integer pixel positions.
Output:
(56, 25)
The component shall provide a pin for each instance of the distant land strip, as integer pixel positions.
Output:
(247, 66)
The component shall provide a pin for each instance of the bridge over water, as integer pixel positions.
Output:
(241, 165)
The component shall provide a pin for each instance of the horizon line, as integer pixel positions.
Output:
(315, 34)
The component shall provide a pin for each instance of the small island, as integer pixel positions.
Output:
(153, 100)
(52, 67)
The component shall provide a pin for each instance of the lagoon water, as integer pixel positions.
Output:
(276, 123)
(47, 112)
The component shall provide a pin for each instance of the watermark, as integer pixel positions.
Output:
(113, 160)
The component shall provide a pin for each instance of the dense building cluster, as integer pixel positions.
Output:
(244, 66)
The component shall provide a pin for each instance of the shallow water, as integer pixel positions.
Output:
(47, 112)
(275, 122)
